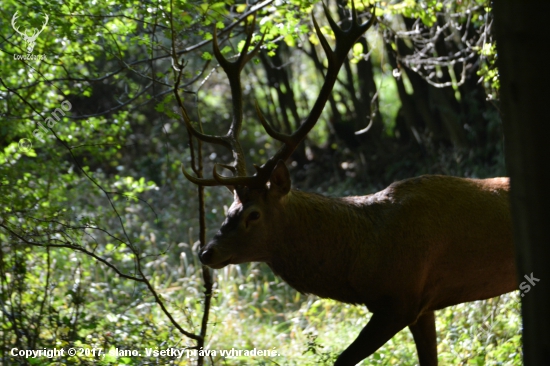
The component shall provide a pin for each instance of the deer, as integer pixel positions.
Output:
(420, 245)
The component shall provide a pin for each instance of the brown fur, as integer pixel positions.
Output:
(419, 245)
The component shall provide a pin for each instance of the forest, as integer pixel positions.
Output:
(103, 104)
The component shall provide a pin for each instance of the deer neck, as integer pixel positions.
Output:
(315, 231)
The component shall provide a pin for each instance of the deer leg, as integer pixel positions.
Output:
(425, 337)
(380, 329)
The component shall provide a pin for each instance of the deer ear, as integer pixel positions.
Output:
(280, 179)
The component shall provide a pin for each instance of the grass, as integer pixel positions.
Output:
(254, 309)
(251, 309)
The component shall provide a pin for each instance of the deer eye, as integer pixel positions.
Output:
(254, 215)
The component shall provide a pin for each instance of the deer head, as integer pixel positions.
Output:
(256, 197)
(34, 32)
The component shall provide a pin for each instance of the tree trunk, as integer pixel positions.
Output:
(522, 36)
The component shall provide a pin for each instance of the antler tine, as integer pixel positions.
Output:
(267, 127)
(200, 181)
(356, 30)
(213, 139)
(46, 17)
(350, 36)
(250, 55)
(217, 53)
(228, 167)
(249, 32)
(205, 181)
(244, 57)
(365, 26)
(256, 181)
(323, 40)
(13, 19)
(338, 32)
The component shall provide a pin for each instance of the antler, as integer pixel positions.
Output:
(43, 26)
(231, 139)
(344, 42)
(13, 19)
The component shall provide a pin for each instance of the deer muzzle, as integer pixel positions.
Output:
(212, 258)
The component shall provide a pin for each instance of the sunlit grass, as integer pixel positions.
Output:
(251, 308)
(254, 309)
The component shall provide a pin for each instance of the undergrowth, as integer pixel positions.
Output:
(251, 309)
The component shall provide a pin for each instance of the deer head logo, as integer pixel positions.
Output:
(34, 32)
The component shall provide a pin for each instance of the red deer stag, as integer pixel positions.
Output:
(420, 245)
